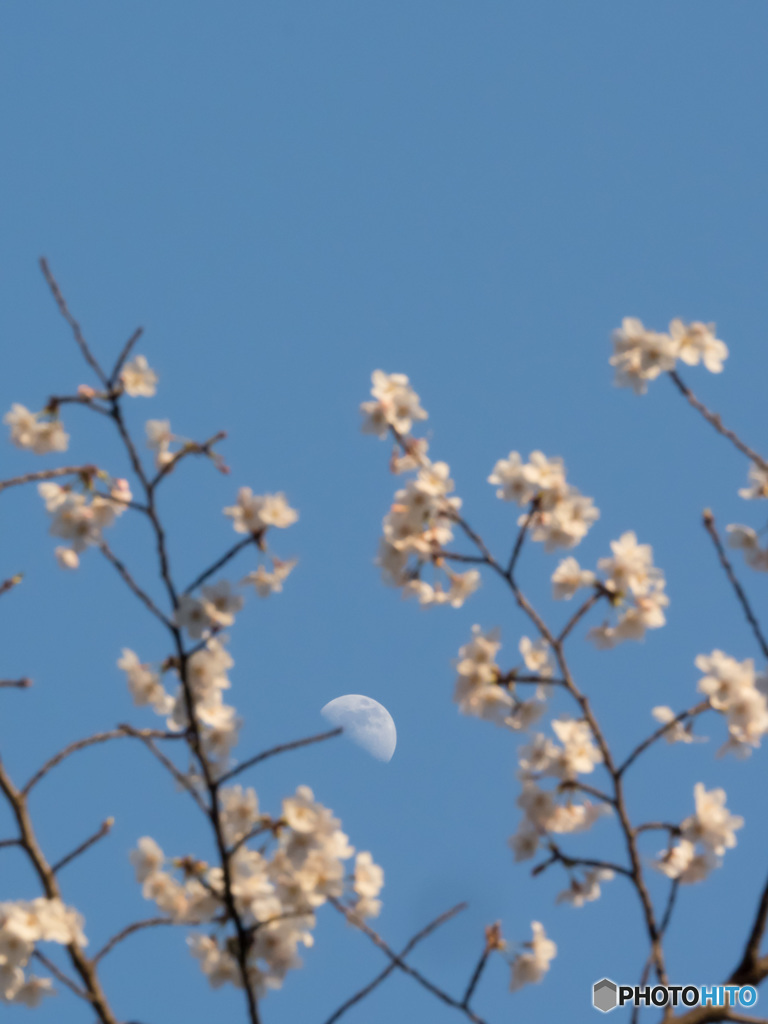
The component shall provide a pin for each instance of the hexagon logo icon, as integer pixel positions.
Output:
(605, 995)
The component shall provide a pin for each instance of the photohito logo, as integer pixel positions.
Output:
(607, 995)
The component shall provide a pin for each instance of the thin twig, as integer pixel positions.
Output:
(709, 525)
(377, 940)
(392, 966)
(50, 474)
(581, 612)
(132, 584)
(281, 749)
(697, 709)
(104, 830)
(64, 310)
(126, 351)
(226, 557)
(169, 766)
(59, 975)
(90, 741)
(713, 418)
(521, 536)
(16, 684)
(149, 922)
(190, 448)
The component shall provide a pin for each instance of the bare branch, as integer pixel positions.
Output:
(105, 829)
(377, 940)
(131, 929)
(192, 448)
(89, 741)
(132, 584)
(59, 975)
(126, 351)
(64, 310)
(221, 562)
(697, 709)
(367, 989)
(709, 525)
(281, 749)
(50, 474)
(713, 418)
(16, 684)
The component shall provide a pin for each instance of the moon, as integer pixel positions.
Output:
(365, 722)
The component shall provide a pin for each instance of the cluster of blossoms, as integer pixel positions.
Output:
(43, 432)
(206, 676)
(735, 689)
(531, 965)
(218, 604)
(703, 838)
(79, 518)
(640, 355)
(24, 923)
(138, 379)
(543, 758)
(276, 896)
(484, 691)
(630, 581)
(420, 522)
(560, 516)
(745, 538)
(38, 432)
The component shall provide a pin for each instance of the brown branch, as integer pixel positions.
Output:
(11, 582)
(751, 963)
(136, 926)
(89, 741)
(709, 525)
(104, 830)
(697, 709)
(16, 684)
(587, 606)
(180, 778)
(189, 448)
(50, 474)
(521, 536)
(28, 840)
(392, 966)
(556, 643)
(714, 420)
(220, 563)
(126, 351)
(281, 749)
(132, 584)
(64, 310)
(9, 842)
(59, 975)
(398, 961)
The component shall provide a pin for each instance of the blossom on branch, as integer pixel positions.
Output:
(641, 355)
(531, 966)
(37, 435)
(559, 516)
(138, 378)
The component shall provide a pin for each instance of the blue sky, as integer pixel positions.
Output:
(287, 197)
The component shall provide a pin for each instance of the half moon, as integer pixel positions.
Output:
(365, 722)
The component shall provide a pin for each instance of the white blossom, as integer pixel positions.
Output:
(531, 966)
(696, 343)
(40, 436)
(586, 889)
(265, 582)
(138, 378)
(640, 355)
(253, 513)
(569, 577)
(395, 404)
